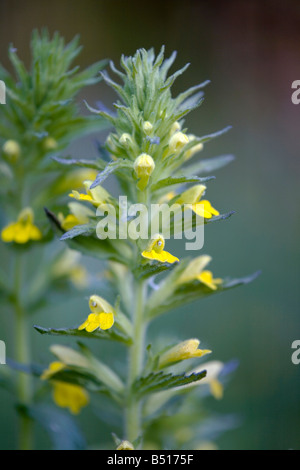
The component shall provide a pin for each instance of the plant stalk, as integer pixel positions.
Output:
(133, 415)
(23, 356)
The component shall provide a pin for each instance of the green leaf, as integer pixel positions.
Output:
(101, 249)
(157, 382)
(207, 138)
(110, 335)
(110, 168)
(84, 369)
(150, 270)
(85, 230)
(93, 164)
(180, 179)
(190, 292)
(217, 218)
(189, 98)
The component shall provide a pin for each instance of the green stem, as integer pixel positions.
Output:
(24, 390)
(133, 417)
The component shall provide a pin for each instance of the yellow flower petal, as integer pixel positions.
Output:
(102, 320)
(155, 251)
(82, 197)
(35, 233)
(8, 233)
(206, 277)
(90, 319)
(216, 389)
(69, 222)
(70, 396)
(53, 368)
(106, 320)
(163, 257)
(22, 233)
(23, 230)
(200, 210)
(209, 208)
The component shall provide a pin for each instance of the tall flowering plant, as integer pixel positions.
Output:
(149, 151)
(149, 395)
(40, 117)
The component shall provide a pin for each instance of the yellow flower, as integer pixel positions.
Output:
(12, 150)
(143, 166)
(79, 215)
(65, 395)
(23, 230)
(182, 351)
(96, 196)
(102, 315)
(155, 251)
(195, 271)
(206, 277)
(191, 198)
(125, 445)
(70, 396)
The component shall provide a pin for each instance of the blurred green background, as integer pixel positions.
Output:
(250, 52)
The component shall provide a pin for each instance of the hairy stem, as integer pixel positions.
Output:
(133, 418)
(24, 390)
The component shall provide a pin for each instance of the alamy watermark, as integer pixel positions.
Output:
(296, 353)
(296, 94)
(138, 221)
(2, 352)
(2, 92)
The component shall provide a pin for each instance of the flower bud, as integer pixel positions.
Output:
(177, 142)
(147, 126)
(97, 305)
(125, 139)
(125, 445)
(143, 166)
(12, 150)
(184, 350)
(157, 243)
(50, 144)
(194, 269)
(175, 128)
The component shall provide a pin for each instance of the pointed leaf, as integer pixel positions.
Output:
(111, 335)
(157, 382)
